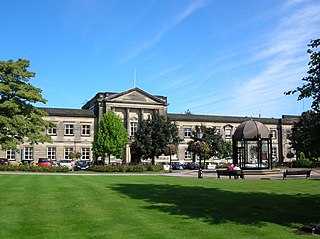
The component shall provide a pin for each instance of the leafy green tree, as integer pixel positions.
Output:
(152, 137)
(211, 144)
(111, 137)
(311, 87)
(305, 135)
(20, 121)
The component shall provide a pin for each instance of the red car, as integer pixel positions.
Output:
(44, 162)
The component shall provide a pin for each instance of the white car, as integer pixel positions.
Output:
(66, 163)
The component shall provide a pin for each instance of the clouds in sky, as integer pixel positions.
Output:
(208, 56)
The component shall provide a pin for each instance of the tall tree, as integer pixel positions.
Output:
(152, 137)
(111, 137)
(311, 87)
(305, 135)
(19, 120)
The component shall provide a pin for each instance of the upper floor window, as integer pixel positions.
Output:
(187, 132)
(217, 131)
(68, 129)
(85, 130)
(133, 128)
(52, 131)
(273, 133)
(11, 154)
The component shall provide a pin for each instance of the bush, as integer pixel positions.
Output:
(301, 163)
(30, 168)
(127, 168)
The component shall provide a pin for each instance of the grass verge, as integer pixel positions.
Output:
(43, 206)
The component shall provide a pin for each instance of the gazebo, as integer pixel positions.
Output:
(252, 146)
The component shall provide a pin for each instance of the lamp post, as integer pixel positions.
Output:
(199, 136)
(170, 143)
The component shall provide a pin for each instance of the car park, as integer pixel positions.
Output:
(66, 163)
(4, 161)
(81, 165)
(191, 166)
(177, 166)
(44, 162)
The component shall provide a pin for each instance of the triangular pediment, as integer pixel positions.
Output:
(136, 95)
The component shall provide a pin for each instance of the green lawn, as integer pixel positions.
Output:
(43, 206)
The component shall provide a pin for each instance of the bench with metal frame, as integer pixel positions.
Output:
(231, 173)
(306, 172)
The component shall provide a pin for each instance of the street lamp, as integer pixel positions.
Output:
(199, 136)
(170, 143)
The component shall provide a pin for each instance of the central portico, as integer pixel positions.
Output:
(132, 106)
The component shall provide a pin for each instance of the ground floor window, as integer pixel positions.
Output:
(274, 153)
(11, 154)
(67, 152)
(51, 153)
(28, 153)
(187, 155)
(85, 153)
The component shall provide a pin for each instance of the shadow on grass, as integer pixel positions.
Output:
(218, 206)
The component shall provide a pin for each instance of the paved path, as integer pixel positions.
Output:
(207, 174)
(211, 174)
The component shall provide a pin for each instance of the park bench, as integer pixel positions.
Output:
(234, 173)
(306, 172)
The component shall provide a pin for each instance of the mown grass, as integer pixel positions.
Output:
(43, 206)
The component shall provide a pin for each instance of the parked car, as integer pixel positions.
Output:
(54, 164)
(66, 163)
(4, 161)
(44, 162)
(177, 166)
(81, 165)
(191, 166)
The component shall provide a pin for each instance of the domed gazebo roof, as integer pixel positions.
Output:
(251, 130)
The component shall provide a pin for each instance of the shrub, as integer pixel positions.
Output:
(30, 168)
(301, 163)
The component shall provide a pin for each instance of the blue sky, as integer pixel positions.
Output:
(214, 57)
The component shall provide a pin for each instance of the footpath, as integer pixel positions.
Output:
(276, 174)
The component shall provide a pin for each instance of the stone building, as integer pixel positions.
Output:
(74, 131)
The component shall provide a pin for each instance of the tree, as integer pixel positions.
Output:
(217, 147)
(111, 137)
(20, 121)
(312, 86)
(305, 135)
(152, 137)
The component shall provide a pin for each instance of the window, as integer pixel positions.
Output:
(273, 133)
(11, 154)
(28, 153)
(187, 154)
(133, 128)
(217, 131)
(187, 132)
(85, 153)
(67, 151)
(52, 131)
(85, 130)
(274, 152)
(68, 129)
(51, 153)
(227, 132)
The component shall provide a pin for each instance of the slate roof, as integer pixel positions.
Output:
(218, 119)
(68, 112)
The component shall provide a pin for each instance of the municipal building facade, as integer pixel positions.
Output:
(75, 128)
